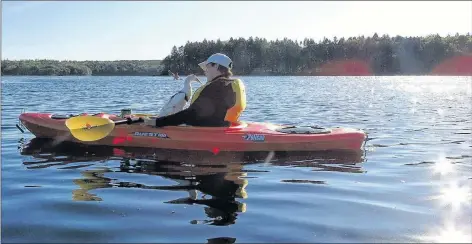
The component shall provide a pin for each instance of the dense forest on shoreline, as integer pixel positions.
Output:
(98, 68)
(376, 55)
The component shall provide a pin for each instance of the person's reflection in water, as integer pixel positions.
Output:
(219, 189)
(224, 189)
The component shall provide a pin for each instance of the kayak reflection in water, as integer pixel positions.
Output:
(216, 182)
(218, 103)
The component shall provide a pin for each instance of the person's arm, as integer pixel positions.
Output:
(176, 119)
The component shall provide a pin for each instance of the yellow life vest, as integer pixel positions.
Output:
(233, 113)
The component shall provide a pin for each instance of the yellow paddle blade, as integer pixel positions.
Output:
(89, 128)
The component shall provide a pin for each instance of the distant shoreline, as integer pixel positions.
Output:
(352, 56)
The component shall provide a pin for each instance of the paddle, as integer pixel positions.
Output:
(92, 128)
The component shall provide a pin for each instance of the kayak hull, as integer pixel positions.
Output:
(246, 136)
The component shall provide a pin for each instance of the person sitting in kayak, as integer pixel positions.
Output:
(218, 103)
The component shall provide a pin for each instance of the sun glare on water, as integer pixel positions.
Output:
(443, 166)
(455, 195)
(469, 89)
(442, 88)
(450, 234)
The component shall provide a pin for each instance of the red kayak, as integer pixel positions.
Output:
(245, 136)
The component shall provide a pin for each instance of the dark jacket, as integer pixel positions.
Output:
(209, 109)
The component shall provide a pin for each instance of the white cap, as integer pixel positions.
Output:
(217, 58)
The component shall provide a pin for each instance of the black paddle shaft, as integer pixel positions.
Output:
(129, 121)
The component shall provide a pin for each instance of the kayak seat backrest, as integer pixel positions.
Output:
(233, 113)
(235, 126)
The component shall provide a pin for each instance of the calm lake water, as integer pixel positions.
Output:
(411, 183)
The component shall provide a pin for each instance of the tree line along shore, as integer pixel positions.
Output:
(375, 55)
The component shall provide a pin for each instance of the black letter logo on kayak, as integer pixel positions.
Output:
(151, 134)
(254, 137)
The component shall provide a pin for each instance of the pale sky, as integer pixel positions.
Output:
(111, 30)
